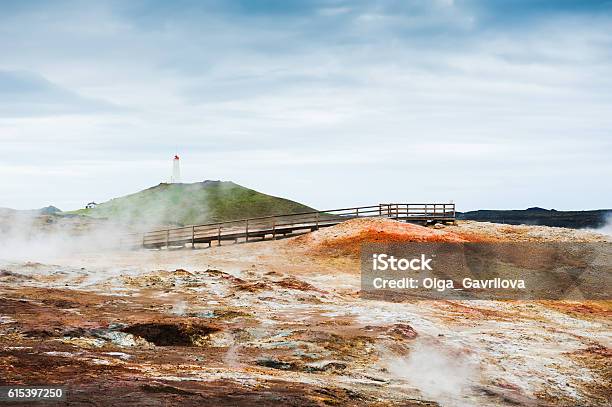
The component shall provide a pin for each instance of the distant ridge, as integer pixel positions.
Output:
(47, 210)
(195, 203)
(539, 216)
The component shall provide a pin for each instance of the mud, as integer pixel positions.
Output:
(282, 323)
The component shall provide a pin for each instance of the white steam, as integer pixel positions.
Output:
(441, 373)
(33, 237)
(179, 308)
(606, 229)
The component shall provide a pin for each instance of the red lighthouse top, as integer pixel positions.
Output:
(176, 157)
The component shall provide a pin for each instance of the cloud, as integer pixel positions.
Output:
(24, 93)
(490, 99)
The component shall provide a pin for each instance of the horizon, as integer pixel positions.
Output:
(327, 103)
(459, 209)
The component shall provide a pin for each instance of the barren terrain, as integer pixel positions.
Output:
(281, 323)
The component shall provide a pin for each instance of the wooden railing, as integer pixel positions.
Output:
(277, 225)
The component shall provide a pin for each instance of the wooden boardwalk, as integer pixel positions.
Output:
(283, 225)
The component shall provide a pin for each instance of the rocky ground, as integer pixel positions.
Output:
(282, 323)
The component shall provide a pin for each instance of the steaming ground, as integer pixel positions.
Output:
(281, 323)
(26, 236)
(606, 229)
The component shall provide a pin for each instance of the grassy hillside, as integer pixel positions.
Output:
(185, 204)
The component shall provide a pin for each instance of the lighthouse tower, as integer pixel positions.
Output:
(176, 171)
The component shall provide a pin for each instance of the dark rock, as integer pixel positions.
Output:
(403, 331)
(539, 216)
(168, 334)
(276, 364)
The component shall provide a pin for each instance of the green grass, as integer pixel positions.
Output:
(197, 203)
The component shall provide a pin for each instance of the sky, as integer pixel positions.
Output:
(333, 103)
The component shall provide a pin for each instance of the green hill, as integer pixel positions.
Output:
(197, 203)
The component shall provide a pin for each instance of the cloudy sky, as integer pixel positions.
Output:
(333, 103)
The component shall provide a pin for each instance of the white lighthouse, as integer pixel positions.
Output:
(176, 171)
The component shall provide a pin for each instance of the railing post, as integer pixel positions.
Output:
(317, 220)
(143, 239)
(356, 212)
(273, 229)
(247, 230)
(193, 237)
(168, 239)
(380, 209)
(219, 235)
